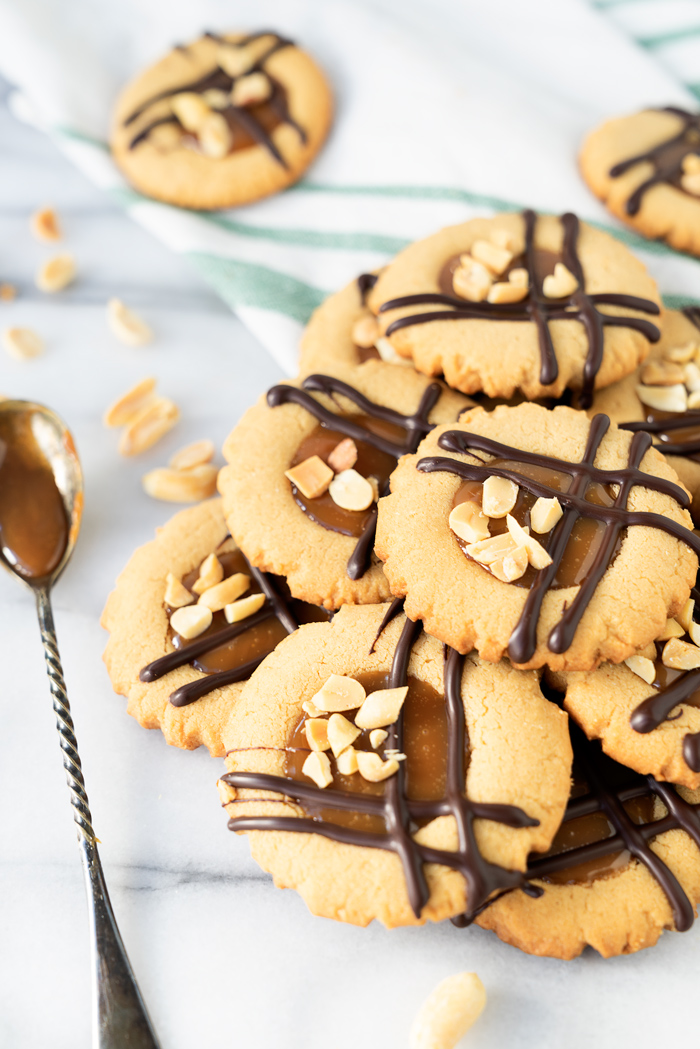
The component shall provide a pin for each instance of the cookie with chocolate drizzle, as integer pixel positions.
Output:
(222, 121)
(322, 543)
(645, 167)
(527, 303)
(662, 398)
(565, 522)
(624, 866)
(188, 683)
(447, 828)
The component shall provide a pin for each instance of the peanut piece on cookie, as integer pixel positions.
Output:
(662, 373)
(373, 769)
(679, 655)
(176, 595)
(215, 136)
(559, 284)
(318, 768)
(365, 332)
(190, 109)
(246, 606)
(486, 551)
(222, 594)
(341, 733)
(664, 398)
(191, 621)
(512, 566)
(545, 514)
(377, 737)
(343, 456)
(339, 693)
(490, 255)
(251, 89)
(642, 667)
(388, 354)
(471, 280)
(685, 616)
(681, 354)
(316, 730)
(499, 496)
(351, 491)
(381, 708)
(537, 555)
(671, 629)
(469, 522)
(311, 477)
(211, 572)
(347, 762)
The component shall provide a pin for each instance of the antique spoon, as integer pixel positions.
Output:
(41, 502)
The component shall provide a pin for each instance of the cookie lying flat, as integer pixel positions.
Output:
(621, 869)
(292, 513)
(518, 302)
(646, 712)
(662, 397)
(189, 621)
(585, 584)
(222, 121)
(345, 839)
(646, 169)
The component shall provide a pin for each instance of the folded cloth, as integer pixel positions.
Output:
(444, 111)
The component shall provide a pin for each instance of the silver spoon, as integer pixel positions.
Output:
(41, 501)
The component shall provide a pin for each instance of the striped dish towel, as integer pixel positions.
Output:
(444, 112)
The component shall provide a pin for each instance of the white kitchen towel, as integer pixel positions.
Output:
(444, 111)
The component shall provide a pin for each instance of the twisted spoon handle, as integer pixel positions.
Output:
(119, 1017)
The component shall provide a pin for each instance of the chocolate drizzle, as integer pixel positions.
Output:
(604, 795)
(541, 310)
(397, 811)
(236, 116)
(656, 708)
(416, 427)
(666, 158)
(523, 640)
(275, 605)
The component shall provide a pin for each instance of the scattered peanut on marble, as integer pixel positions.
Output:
(22, 343)
(128, 327)
(448, 1012)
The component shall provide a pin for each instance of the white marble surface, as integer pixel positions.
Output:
(222, 957)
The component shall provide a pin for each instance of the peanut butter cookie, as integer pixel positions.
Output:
(352, 732)
(519, 302)
(189, 621)
(662, 397)
(222, 121)
(646, 169)
(624, 866)
(307, 465)
(557, 539)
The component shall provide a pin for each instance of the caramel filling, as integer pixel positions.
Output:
(34, 526)
(586, 536)
(371, 462)
(589, 830)
(253, 643)
(424, 744)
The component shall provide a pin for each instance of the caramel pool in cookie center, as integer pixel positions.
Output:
(34, 526)
(371, 462)
(255, 642)
(586, 536)
(424, 744)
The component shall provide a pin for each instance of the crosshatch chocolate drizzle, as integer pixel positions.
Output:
(615, 518)
(656, 708)
(606, 796)
(541, 310)
(416, 427)
(275, 605)
(236, 116)
(483, 878)
(666, 158)
(677, 421)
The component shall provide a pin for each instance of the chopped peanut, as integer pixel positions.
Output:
(22, 343)
(8, 292)
(125, 409)
(351, 491)
(215, 98)
(469, 522)
(537, 555)
(190, 109)
(512, 566)
(339, 693)
(343, 456)
(341, 733)
(318, 768)
(211, 572)
(191, 621)
(347, 762)
(311, 477)
(499, 496)
(241, 609)
(176, 595)
(449, 1012)
(149, 425)
(196, 454)
(215, 136)
(486, 551)
(679, 655)
(181, 486)
(682, 354)
(671, 629)
(545, 514)
(377, 737)
(664, 398)
(685, 616)
(662, 373)
(388, 354)
(381, 708)
(127, 325)
(643, 667)
(471, 280)
(310, 708)
(365, 331)
(490, 255)
(224, 593)
(559, 284)
(56, 273)
(373, 769)
(316, 730)
(251, 89)
(45, 225)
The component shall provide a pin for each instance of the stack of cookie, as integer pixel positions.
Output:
(442, 622)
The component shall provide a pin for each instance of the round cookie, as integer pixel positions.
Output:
(646, 712)
(351, 848)
(188, 692)
(637, 166)
(617, 897)
(222, 121)
(680, 338)
(573, 592)
(519, 302)
(381, 414)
